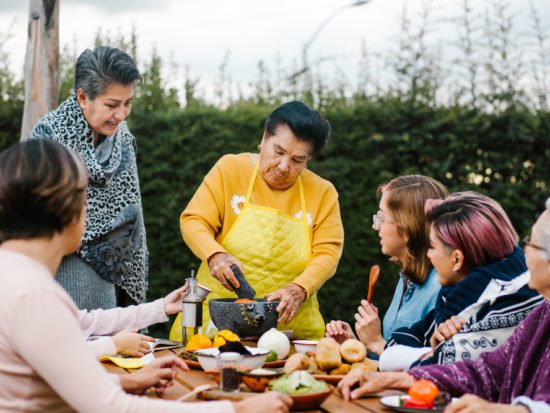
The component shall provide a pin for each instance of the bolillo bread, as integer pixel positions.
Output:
(328, 354)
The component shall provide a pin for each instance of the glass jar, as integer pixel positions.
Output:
(230, 375)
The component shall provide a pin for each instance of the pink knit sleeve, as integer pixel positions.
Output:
(107, 322)
(47, 336)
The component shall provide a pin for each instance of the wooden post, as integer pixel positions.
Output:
(41, 62)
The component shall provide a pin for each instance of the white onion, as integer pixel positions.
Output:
(274, 340)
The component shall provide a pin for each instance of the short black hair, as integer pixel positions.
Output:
(100, 68)
(42, 189)
(305, 122)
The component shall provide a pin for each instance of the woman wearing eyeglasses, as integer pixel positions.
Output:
(404, 237)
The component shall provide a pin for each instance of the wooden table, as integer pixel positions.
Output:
(188, 380)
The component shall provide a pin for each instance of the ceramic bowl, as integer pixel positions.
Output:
(203, 291)
(303, 346)
(245, 319)
(258, 382)
(309, 401)
(288, 333)
(208, 358)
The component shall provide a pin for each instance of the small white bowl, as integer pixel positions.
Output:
(208, 358)
(303, 346)
(203, 291)
(287, 333)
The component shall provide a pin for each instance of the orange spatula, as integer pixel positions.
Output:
(373, 279)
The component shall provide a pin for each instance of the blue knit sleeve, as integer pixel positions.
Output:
(418, 335)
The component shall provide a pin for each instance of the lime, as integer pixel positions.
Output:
(272, 356)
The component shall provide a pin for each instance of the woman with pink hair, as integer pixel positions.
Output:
(484, 293)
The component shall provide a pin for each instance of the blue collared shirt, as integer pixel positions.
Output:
(411, 306)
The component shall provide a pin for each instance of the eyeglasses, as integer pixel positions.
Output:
(527, 243)
(378, 219)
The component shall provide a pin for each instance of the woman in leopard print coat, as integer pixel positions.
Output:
(110, 268)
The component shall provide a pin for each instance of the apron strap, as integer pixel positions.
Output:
(251, 183)
(302, 200)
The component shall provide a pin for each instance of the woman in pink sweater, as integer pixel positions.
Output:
(44, 362)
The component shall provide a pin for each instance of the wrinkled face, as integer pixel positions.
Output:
(538, 261)
(282, 158)
(108, 109)
(392, 242)
(446, 262)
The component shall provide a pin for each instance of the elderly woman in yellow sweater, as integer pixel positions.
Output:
(278, 222)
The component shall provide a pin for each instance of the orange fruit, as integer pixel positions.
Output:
(423, 391)
(219, 341)
(228, 335)
(197, 342)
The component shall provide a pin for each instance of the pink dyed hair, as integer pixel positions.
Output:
(474, 224)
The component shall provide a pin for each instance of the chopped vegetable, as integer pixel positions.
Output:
(299, 382)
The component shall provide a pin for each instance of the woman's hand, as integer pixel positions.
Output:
(473, 404)
(445, 331)
(158, 375)
(274, 402)
(130, 343)
(368, 327)
(369, 382)
(219, 265)
(339, 330)
(172, 302)
(291, 297)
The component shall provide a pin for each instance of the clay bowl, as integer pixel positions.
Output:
(245, 319)
(258, 382)
(310, 401)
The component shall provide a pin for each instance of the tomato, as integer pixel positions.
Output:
(418, 404)
(423, 391)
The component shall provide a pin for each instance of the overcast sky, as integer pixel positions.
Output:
(199, 33)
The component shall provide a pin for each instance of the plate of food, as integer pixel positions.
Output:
(332, 361)
(274, 364)
(401, 404)
(191, 360)
(424, 396)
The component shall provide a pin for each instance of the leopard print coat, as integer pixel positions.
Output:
(114, 242)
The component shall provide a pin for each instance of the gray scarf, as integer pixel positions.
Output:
(114, 242)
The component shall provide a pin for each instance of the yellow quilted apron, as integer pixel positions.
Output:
(274, 249)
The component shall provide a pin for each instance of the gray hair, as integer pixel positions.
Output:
(99, 68)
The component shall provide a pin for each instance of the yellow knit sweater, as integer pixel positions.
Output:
(215, 206)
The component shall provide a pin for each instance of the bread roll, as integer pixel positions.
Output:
(313, 368)
(328, 354)
(366, 365)
(353, 351)
(343, 369)
(297, 361)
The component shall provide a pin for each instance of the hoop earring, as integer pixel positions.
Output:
(259, 147)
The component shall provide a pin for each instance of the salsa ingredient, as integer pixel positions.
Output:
(423, 391)
(275, 340)
(299, 382)
(197, 342)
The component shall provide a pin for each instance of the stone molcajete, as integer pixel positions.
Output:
(245, 319)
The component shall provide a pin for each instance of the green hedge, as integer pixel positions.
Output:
(505, 155)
